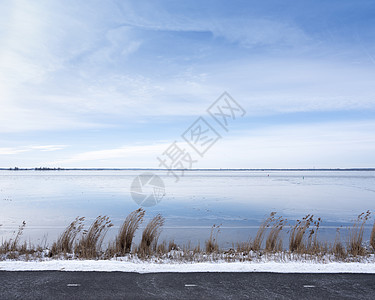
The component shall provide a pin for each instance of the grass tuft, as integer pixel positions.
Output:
(372, 238)
(313, 245)
(258, 241)
(244, 247)
(65, 242)
(13, 244)
(303, 242)
(211, 243)
(338, 248)
(296, 243)
(274, 242)
(172, 246)
(127, 231)
(90, 244)
(150, 236)
(355, 246)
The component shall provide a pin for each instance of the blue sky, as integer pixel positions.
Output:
(114, 83)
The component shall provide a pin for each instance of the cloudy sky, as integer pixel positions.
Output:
(115, 83)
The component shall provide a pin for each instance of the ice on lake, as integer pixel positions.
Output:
(237, 200)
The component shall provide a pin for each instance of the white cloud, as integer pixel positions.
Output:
(18, 150)
(11, 151)
(320, 145)
(48, 148)
(125, 156)
(323, 145)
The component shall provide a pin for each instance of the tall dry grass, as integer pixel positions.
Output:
(355, 243)
(65, 242)
(303, 239)
(372, 237)
(13, 245)
(274, 242)
(12, 248)
(127, 231)
(89, 246)
(259, 237)
(313, 246)
(297, 233)
(244, 247)
(150, 236)
(338, 249)
(211, 243)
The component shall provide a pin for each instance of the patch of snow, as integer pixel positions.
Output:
(152, 267)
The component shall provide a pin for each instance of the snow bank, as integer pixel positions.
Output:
(150, 267)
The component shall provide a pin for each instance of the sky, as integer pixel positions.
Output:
(87, 84)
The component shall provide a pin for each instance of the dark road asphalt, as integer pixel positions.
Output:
(100, 285)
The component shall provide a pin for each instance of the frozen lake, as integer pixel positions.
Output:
(238, 200)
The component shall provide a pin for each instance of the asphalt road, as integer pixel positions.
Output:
(101, 285)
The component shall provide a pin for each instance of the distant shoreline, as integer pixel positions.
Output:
(163, 169)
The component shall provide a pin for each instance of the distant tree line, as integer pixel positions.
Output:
(36, 169)
(47, 169)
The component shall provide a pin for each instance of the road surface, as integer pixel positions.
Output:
(118, 285)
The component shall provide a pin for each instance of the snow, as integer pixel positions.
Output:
(152, 267)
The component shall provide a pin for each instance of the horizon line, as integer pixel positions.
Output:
(195, 169)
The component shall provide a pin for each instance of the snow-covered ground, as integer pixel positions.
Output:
(151, 267)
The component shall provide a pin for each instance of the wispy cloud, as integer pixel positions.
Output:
(320, 145)
(43, 148)
(247, 30)
(125, 156)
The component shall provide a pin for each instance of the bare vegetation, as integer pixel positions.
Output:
(127, 231)
(355, 246)
(296, 242)
(150, 236)
(372, 238)
(13, 244)
(244, 247)
(75, 242)
(211, 243)
(258, 241)
(338, 249)
(65, 242)
(313, 246)
(90, 243)
(274, 242)
(12, 248)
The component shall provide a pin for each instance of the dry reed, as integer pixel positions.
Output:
(244, 247)
(65, 242)
(211, 243)
(355, 245)
(150, 236)
(127, 231)
(313, 246)
(297, 233)
(372, 238)
(90, 243)
(274, 242)
(303, 240)
(257, 243)
(338, 249)
(13, 244)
